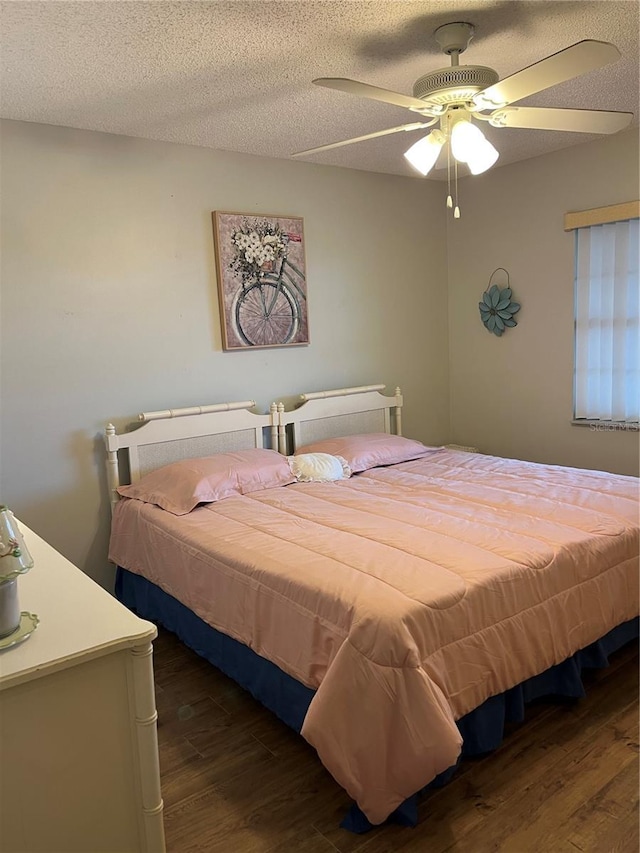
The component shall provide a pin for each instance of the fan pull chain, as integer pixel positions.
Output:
(456, 210)
(449, 199)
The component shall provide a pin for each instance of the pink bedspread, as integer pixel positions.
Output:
(407, 595)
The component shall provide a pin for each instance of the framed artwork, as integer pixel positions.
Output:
(262, 284)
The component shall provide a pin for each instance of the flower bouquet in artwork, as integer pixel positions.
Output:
(257, 248)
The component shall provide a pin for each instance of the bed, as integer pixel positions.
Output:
(395, 617)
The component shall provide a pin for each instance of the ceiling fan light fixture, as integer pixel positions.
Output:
(466, 138)
(483, 158)
(423, 154)
(469, 145)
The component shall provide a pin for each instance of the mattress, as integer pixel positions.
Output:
(405, 596)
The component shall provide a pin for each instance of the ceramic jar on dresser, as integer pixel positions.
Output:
(78, 742)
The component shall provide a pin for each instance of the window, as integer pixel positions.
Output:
(607, 322)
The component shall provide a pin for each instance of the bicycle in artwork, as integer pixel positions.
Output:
(262, 280)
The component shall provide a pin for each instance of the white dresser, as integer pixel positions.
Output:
(78, 742)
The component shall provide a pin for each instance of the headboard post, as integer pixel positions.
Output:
(398, 411)
(273, 411)
(113, 478)
(282, 435)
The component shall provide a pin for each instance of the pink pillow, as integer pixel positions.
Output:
(368, 451)
(181, 486)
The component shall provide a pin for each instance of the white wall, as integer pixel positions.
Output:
(109, 303)
(512, 396)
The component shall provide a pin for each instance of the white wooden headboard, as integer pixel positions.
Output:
(172, 434)
(344, 411)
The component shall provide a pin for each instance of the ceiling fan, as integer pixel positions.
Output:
(458, 97)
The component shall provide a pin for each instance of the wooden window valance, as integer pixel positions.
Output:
(601, 215)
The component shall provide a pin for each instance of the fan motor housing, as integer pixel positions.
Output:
(454, 85)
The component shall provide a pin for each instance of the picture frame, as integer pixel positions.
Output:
(262, 284)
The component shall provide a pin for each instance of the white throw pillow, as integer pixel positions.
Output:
(318, 467)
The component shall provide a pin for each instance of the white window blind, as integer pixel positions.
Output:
(607, 299)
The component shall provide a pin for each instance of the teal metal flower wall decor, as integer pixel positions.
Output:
(496, 308)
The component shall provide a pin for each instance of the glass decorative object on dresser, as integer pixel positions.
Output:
(15, 560)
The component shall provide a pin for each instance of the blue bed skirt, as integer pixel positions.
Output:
(482, 729)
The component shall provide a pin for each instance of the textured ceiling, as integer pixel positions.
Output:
(237, 75)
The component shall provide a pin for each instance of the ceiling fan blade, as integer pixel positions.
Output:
(364, 90)
(418, 125)
(578, 121)
(571, 62)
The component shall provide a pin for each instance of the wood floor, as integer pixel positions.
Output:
(237, 780)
